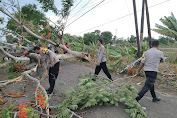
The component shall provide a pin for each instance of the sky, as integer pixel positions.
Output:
(111, 12)
(115, 9)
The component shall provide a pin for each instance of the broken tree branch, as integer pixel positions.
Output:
(7, 31)
(13, 46)
(16, 59)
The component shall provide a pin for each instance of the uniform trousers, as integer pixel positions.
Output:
(53, 74)
(149, 85)
(105, 70)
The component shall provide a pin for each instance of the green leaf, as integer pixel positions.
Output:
(116, 104)
(122, 99)
(105, 99)
(73, 107)
(112, 102)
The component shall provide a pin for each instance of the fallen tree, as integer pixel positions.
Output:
(58, 33)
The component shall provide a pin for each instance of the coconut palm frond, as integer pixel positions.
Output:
(169, 27)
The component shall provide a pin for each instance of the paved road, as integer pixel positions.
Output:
(167, 108)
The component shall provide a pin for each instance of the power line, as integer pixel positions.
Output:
(128, 10)
(79, 10)
(76, 5)
(91, 5)
(120, 18)
(85, 13)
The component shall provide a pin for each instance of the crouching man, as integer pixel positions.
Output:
(35, 59)
(51, 64)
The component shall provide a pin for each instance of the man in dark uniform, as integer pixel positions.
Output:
(51, 64)
(101, 64)
(150, 61)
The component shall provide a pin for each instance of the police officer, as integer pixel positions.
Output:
(101, 64)
(51, 64)
(35, 58)
(150, 61)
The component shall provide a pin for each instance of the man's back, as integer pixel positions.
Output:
(34, 57)
(151, 59)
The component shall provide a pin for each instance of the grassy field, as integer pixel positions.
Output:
(169, 51)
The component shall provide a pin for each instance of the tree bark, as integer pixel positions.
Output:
(13, 46)
(16, 59)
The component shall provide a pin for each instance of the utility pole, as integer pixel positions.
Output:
(136, 28)
(148, 24)
(142, 28)
(140, 42)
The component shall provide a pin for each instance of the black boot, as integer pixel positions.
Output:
(111, 79)
(49, 92)
(157, 99)
(48, 89)
(94, 78)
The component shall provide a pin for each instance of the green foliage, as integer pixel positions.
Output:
(66, 7)
(132, 39)
(15, 69)
(90, 94)
(92, 37)
(31, 13)
(2, 61)
(12, 39)
(46, 6)
(146, 39)
(169, 27)
(13, 75)
(31, 17)
(106, 37)
(5, 112)
(166, 40)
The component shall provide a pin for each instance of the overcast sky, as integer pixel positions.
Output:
(115, 9)
(111, 10)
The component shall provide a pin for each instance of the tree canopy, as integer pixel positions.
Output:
(32, 18)
(92, 37)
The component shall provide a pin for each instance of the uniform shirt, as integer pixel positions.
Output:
(34, 57)
(47, 57)
(101, 54)
(151, 59)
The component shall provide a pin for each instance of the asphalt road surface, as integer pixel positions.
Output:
(166, 108)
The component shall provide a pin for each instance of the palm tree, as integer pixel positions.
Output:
(170, 26)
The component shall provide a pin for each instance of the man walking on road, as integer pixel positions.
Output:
(150, 61)
(101, 64)
(51, 64)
